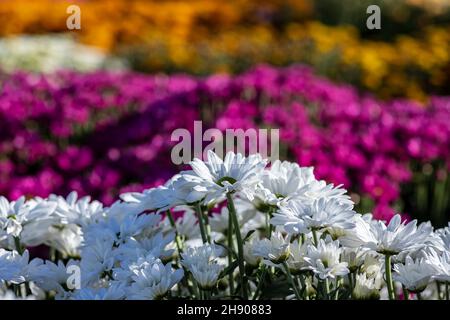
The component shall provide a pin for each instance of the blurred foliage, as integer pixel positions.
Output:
(398, 17)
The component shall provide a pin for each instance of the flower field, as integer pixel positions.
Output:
(356, 207)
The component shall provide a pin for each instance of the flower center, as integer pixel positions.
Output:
(228, 179)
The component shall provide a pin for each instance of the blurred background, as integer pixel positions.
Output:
(93, 109)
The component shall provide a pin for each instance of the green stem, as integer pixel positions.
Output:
(179, 245)
(177, 235)
(19, 247)
(389, 283)
(338, 282)
(438, 285)
(314, 232)
(291, 280)
(327, 288)
(230, 257)
(446, 292)
(260, 282)
(240, 245)
(350, 281)
(208, 227)
(304, 287)
(405, 293)
(201, 223)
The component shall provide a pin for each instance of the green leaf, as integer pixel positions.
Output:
(229, 269)
(229, 250)
(248, 235)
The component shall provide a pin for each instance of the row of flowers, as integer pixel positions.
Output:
(48, 53)
(101, 132)
(410, 67)
(243, 229)
(210, 36)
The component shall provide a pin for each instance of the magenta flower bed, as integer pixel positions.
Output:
(102, 133)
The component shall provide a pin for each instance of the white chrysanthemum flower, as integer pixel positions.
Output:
(235, 173)
(249, 255)
(354, 257)
(97, 261)
(181, 189)
(298, 252)
(324, 260)
(298, 217)
(50, 276)
(115, 291)
(27, 220)
(186, 225)
(441, 262)
(444, 236)
(365, 288)
(275, 250)
(16, 268)
(151, 279)
(80, 211)
(247, 219)
(392, 239)
(320, 189)
(157, 246)
(67, 239)
(414, 274)
(373, 267)
(281, 181)
(203, 263)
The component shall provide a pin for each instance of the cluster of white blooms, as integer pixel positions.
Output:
(232, 228)
(41, 53)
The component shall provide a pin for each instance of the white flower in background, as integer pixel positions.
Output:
(373, 267)
(203, 263)
(444, 235)
(97, 261)
(298, 217)
(7, 294)
(441, 262)
(249, 256)
(235, 173)
(27, 220)
(41, 53)
(151, 279)
(298, 252)
(16, 268)
(156, 246)
(389, 239)
(115, 291)
(324, 259)
(248, 220)
(414, 274)
(354, 257)
(186, 225)
(149, 200)
(320, 189)
(75, 210)
(365, 288)
(66, 239)
(281, 181)
(50, 276)
(181, 189)
(275, 250)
